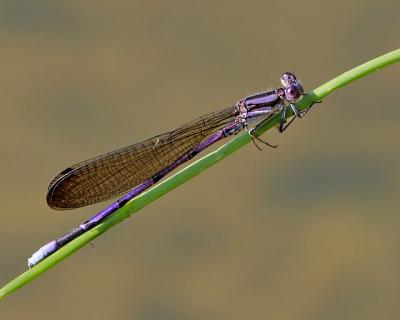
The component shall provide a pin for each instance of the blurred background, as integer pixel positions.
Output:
(306, 231)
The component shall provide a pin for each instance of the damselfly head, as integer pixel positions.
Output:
(292, 86)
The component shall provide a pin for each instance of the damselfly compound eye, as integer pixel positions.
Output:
(292, 93)
(288, 78)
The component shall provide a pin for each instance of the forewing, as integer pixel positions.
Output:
(109, 175)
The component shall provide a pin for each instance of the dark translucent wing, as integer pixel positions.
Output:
(109, 175)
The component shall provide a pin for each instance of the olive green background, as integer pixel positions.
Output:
(307, 231)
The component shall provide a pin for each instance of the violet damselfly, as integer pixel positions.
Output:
(141, 165)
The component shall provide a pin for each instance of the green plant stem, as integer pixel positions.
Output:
(195, 168)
